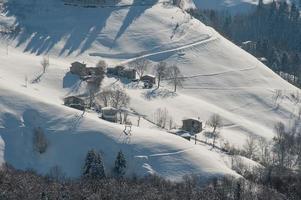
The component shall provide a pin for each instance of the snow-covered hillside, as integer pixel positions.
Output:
(219, 78)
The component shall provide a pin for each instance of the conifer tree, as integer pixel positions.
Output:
(93, 168)
(120, 165)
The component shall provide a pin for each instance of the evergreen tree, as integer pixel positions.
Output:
(93, 167)
(120, 165)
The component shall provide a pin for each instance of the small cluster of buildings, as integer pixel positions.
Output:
(131, 74)
(106, 113)
(190, 127)
(83, 71)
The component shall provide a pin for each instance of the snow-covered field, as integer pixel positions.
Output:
(219, 78)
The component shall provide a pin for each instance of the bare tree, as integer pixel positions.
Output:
(119, 98)
(105, 97)
(250, 147)
(45, 63)
(280, 143)
(140, 65)
(264, 149)
(95, 82)
(39, 140)
(102, 64)
(215, 121)
(161, 69)
(163, 119)
(175, 77)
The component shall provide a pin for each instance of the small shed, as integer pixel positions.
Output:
(249, 45)
(109, 114)
(74, 102)
(192, 125)
(149, 79)
(78, 68)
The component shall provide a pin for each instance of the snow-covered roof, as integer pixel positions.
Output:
(149, 75)
(192, 118)
(185, 135)
(108, 108)
(247, 42)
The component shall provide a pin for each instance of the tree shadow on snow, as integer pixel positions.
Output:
(138, 8)
(43, 24)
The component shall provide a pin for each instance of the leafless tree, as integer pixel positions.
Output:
(280, 143)
(105, 97)
(140, 65)
(161, 117)
(119, 98)
(39, 140)
(175, 77)
(45, 63)
(161, 69)
(250, 147)
(102, 64)
(264, 149)
(215, 122)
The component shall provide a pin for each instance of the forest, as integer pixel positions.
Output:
(274, 28)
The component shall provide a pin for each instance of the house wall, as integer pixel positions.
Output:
(192, 126)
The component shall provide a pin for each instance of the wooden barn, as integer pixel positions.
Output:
(109, 114)
(192, 125)
(74, 102)
(78, 68)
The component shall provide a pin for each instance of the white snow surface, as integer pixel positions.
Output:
(219, 78)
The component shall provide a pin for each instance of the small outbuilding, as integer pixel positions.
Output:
(249, 46)
(78, 68)
(74, 102)
(109, 114)
(192, 125)
(149, 79)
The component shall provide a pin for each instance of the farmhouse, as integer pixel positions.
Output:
(78, 68)
(192, 125)
(74, 102)
(109, 114)
(122, 72)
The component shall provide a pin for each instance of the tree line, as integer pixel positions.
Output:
(275, 28)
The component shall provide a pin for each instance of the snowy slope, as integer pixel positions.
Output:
(219, 78)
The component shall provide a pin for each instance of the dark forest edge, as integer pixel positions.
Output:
(273, 30)
(15, 184)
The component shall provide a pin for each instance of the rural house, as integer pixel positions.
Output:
(192, 125)
(74, 102)
(121, 72)
(78, 68)
(109, 114)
